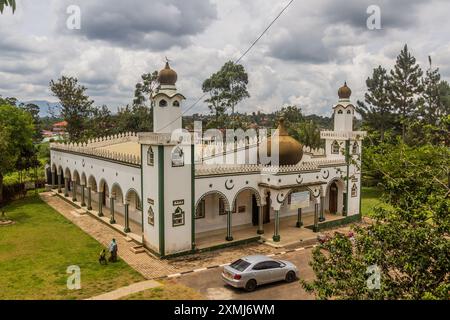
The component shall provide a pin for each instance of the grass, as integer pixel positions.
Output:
(36, 251)
(169, 291)
(370, 199)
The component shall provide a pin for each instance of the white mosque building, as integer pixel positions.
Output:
(175, 192)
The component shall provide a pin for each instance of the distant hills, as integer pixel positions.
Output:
(45, 107)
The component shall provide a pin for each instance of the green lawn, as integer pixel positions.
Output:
(36, 251)
(370, 199)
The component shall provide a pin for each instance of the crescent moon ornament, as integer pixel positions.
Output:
(326, 174)
(278, 198)
(299, 179)
(316, 193)
(227, 186)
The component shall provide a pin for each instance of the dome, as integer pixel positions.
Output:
(167, 76)
(290, 150)
(344, 92)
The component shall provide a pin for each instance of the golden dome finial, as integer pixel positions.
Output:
(167, 76)
(344, 92)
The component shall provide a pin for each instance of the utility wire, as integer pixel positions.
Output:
(236, 61)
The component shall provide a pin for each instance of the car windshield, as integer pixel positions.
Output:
(240, 265)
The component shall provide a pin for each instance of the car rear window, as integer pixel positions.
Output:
(240, 265)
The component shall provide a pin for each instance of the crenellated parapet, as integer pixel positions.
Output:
(93, 147)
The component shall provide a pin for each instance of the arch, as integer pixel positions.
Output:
(60, 170)
(54, 167)
(335, 147)
(76, 177)
(83, 179)
(176, 103)
(116, 190)
(253, 190)
(132, 194)
(339, 182)
(92, 183)
(221, 195)
(103, 186)
(163, 103)
(299, 189)
(67, 173)
(340, 111)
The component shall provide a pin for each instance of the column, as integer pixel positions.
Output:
(83, 204)
(89, 202)
(229, 237)
(53, 179)
(299, 223)
(66, 187)
(276, 233)
(111, 205)
(260, 220)
(59, 182)
(344, 212)
(74, 191)
(316, 217)
(322, 203)
(100, 204)
(127, 223)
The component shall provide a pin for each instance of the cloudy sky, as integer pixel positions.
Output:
(307, 54)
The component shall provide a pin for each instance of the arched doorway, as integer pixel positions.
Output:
(333, 198)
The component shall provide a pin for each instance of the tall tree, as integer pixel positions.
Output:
(144, 89)
(16, 133)
(405, 88)
(376, 110)
(309, 134)
(7, 3)
(226, 89)
(33, 110)
(76, 105)
(101, 122)
(406, 247)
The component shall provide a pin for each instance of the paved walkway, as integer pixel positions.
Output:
(146, 265)
(126, 291)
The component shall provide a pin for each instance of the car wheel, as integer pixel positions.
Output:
(250, 285)
(290, 276)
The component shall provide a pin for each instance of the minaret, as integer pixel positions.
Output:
(167, 102)
(344, 110)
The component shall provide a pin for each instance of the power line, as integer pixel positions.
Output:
(236, 61)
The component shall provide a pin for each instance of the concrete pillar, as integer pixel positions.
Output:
(316, 217)
(299, 223)
(229, 236)
(260, 220)
(127, 222)
(111, 208)
(59, 182)
(66, 187)
(74, 191)
(100, 204)
(322, 204)
(89, 200)
(276, 232)
(83, 204)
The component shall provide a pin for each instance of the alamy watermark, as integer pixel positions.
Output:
(373, 22)
(74, 280)
(73, 21)
(374, 280)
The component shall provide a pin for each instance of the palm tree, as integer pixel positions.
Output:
(7, 3)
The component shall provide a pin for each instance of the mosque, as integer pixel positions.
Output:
(175, 192)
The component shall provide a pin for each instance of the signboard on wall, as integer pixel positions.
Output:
(300, 199)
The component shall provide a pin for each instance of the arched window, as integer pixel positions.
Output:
(354, 190)
(150, 157)
(151, 216)
(163, 103)
(222, 207)
(176, 103)
(177, 157)
(178, 217)
(355, 148)
(200, 213)
(340, 112)
(335, 147)
(349, 112)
